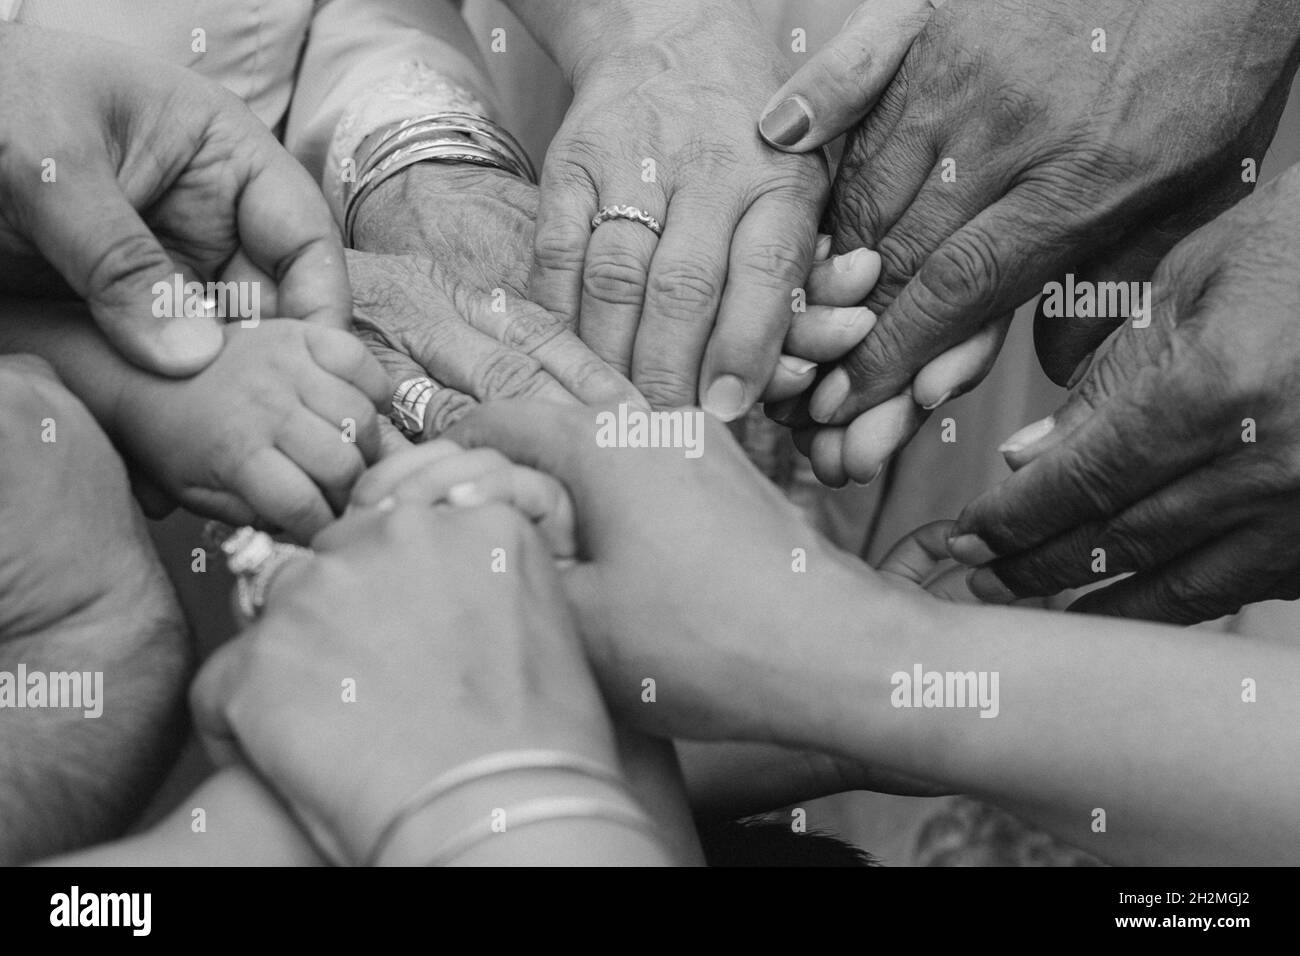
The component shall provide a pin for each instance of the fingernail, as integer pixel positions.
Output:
(725, 399)
(939, 401)
(464, 495)
(873, 476)
(853, 261)
(796, 366)
(988, 587)
(1080, 371)
(970, 549)
(1029, 435)
(830, 395)
(857, 318)
(190, 340)
(823, 247)
(787, 122)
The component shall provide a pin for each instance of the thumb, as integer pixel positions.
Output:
(841, 82)
(84, 226)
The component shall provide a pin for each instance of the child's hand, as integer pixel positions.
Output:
(921, 560)
(277, 428)
(442, 472)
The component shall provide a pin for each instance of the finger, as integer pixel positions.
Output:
(391, 441)
(84, 226)
(791, 377)
(316, 446)
(213, 689)
(826, 454)
(379, 480)
(771, 254)
(844, 280)
(344, 355)
(961, 368)
(841, 82)
(685, 286)
(967, 281)
(287, 230)
(221, 505)
(566, 205)
(1157, 529)
(614, 289)
(429, 484)
(1202, 585)
(530, 329)
(1134, 441)
(822, 334)
(351, 413)
(919, 555)
(282, 494)
(875, 435)
(538, 495)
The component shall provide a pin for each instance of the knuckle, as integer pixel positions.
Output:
(678, 292)
(615, 278)
(964, 272)
(446, 408)
(775, 263)
(125, 259)
(530, 328)
(664, 387)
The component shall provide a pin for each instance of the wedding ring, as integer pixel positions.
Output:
(410, 402)
(630, 213)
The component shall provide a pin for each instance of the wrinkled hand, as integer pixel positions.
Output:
(1009, 150)
(663, 121)
(122, 172)
(1178, 457)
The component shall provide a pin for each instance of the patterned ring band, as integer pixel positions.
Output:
(631, 213)
(410, 402)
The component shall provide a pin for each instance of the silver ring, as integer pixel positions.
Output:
(410, 402)
(254, 557)
(630, 213)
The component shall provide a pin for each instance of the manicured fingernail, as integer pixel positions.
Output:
(853, 261)
(830, 395)
(464, 495)
(823, 248)
(988, 587)
(970, 549)
(787, 122)
(1080, 371)
(1029, 435)
(796, 366)
(939, 401)
(190, 340)
(725, 398)
(860, 319)
(386, 504)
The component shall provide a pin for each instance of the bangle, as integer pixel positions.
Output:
(543, 811)
(492, 765)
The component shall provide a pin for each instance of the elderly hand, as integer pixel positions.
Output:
(470, 661)
(1017, 142)
(1178, 457)
(123, 173)
(662, 121)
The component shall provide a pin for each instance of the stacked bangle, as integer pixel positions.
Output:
(534, 811)
(434, 138)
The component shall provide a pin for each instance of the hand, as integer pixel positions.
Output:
(661, 121)
(1065, 159)
(720, 655)
(1178, 457)
(468, 662)
(153, 171)
(278, 428)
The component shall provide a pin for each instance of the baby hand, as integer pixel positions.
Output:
(279, 427)
(442, 472)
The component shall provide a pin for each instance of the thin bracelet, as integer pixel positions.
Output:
(491, 765)
(545, 810)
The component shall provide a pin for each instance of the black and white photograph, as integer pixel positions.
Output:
(649, 433)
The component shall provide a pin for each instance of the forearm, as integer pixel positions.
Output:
(230, 820)
(1146, 723)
